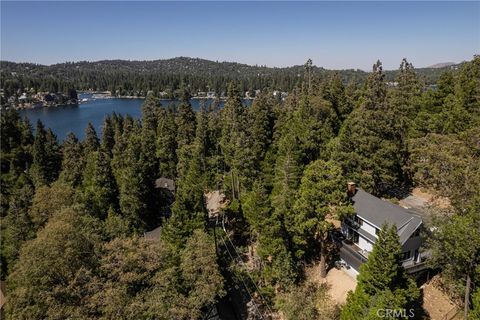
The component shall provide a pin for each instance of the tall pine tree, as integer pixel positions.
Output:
(382, 282)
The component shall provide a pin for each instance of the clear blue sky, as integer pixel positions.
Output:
(335, 35)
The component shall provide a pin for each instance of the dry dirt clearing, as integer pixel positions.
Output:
(338, 281)
(436, 303)
(339, 284)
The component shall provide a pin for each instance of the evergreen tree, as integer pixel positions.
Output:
(314, 122)
(149, 127)
(46, 156)
(73, 162)
(91, 142)
(307, 301)
(382, 282)
(200, 273)
(15, 154)
(455, 247)
(188, 210)
(16, 226)
(475, 312)
(321, 197)
(185, 122)
(139, 279)
(108, 135)
(334, 92)
(201, 139)
(368, 144)
(453, 172)
(215, 163)
(133, 186)
(270, 233)
(148, 158)
(48, 200)
(288, 171)
(9, 130)
(166, 143)
(467, 86)
(44, 283)
(99, 187)
(262, 127)
(232, 137)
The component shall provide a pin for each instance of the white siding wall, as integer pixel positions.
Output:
(364, 244)
(368, 227)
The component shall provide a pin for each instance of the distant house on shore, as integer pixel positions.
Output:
(23, 98)
(361, 232)
(211, 94)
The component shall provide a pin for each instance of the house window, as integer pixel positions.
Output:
(355, 237)
(406, 255)
(358, 220)
(377, 231)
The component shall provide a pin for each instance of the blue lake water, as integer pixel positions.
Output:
(74, 118)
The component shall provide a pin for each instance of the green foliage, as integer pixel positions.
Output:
(201, 276)
(455, 246)
(308, 301)
(382, 282)
(73, 161)
(136, 78)
(454, 172)
(188, 211)
(232, 141)
(43, 281)
(185, 123)
(370, 145)
(46, 156)
(262, 120)
(15, 154)
(270, 233)
(475, 312)
(134, 186)
(48, 200)
(321, 196)
(17, 226)
(167, 143)
(108, 135)
(91, 142)
(99, 189)
(282, 163)
(137, 279)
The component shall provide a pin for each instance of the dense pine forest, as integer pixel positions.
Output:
(74, 213)
(136, 78)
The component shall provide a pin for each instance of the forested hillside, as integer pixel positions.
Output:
(73, 213)
(138, 77)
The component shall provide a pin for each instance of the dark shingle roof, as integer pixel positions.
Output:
(165, 183)
(378, 211)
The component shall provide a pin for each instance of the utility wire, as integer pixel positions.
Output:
(241, 262)
(241, 279)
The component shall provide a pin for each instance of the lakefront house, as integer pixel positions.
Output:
(359, 233)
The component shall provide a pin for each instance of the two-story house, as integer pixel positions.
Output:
(361, 231)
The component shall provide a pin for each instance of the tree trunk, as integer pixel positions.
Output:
(467, 296)
(323, 260)
(233, 184)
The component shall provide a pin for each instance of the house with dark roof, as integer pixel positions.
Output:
(360, 232)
